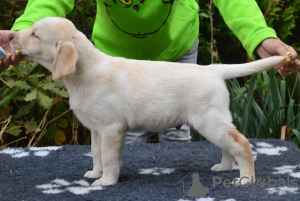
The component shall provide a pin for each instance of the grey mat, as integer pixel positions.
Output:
(149, 172)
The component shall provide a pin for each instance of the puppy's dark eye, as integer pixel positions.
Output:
(33, 35)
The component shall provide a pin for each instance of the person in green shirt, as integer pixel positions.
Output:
(162, 30)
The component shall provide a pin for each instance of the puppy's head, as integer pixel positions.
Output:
(49, 42)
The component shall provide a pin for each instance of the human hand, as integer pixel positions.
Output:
(12, 58)
(272, 47)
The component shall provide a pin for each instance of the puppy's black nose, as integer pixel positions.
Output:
(11, 37)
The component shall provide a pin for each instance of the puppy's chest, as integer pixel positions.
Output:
(84, 111)
(92, 113)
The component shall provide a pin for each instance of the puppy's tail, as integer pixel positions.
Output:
(239, 70)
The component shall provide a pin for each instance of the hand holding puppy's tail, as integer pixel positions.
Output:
(239, 70)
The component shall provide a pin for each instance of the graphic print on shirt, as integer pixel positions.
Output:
(136, 18)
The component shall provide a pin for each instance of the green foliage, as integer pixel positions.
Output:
(31, 88)
(34, 93)
(281, 15)
(9, 11)
(34, 105)
(263, 106)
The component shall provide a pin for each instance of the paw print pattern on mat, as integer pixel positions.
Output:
(156, 171)
(36, 151)
(57, 186)
(292, 170)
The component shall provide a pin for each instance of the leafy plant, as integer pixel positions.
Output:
(262, 107)
(34, 95)
(33, 108)
(281, 15)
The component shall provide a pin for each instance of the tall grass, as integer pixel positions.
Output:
(263, 106)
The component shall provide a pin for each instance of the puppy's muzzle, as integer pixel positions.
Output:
(13, 43)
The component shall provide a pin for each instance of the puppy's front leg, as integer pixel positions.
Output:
(97, 157)
(227, 162)
(112, 142)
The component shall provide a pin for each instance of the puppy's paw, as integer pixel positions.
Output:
(93, 174)
(104, 182)
(221, 167)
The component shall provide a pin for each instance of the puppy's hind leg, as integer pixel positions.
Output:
(97, 158)
(219, 130)
(112, 142)
(242, 153)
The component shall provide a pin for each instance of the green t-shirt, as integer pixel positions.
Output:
(154, 29)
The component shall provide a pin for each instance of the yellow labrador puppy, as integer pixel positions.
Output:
(112, 95)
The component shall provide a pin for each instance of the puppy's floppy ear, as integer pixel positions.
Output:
(65, 61)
